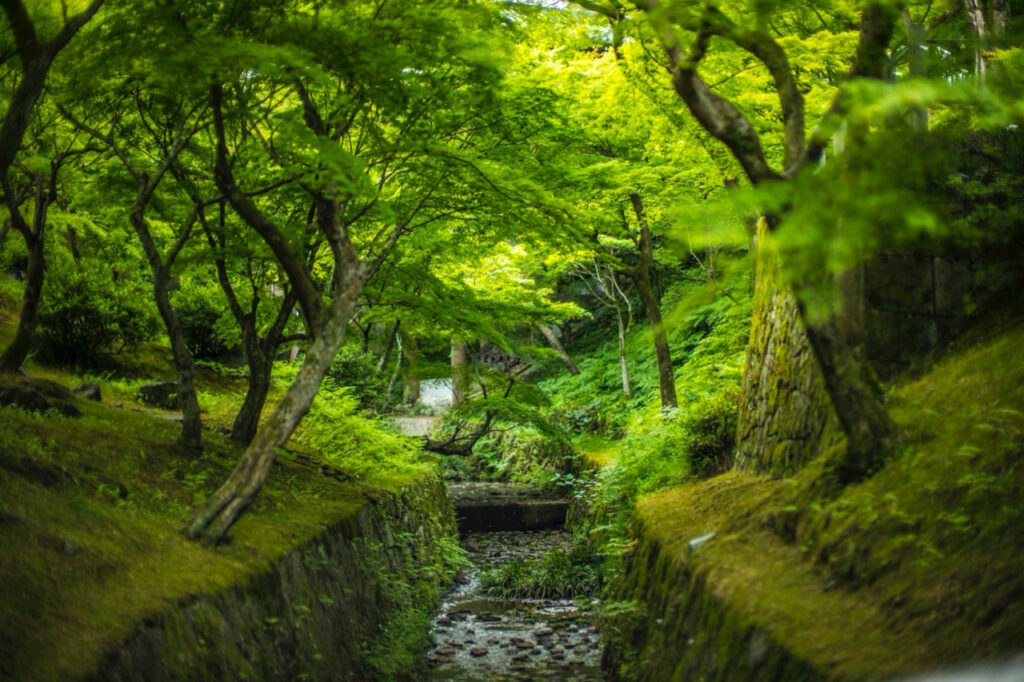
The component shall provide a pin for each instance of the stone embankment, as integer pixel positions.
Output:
(308, 615)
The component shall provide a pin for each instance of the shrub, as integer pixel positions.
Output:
(206, 323)
(89, 309)
(355, 371)
(559, 573)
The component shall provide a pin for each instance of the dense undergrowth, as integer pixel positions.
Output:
(629, 447)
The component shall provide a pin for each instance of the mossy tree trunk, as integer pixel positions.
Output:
(847, 376)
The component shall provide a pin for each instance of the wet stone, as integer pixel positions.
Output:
(485, 638)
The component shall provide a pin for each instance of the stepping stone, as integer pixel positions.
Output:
(520, 657)
(478, 651)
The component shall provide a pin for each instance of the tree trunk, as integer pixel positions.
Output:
(976, 19)
(549, 334)
(385, 356)
(243, 430)
(460, 370)
(398, 368)
(36, 59)
(17, 351)
(641, 275)
(410, 382)
(626, 389)
(191, 426)
(855, 394)
(225, 506)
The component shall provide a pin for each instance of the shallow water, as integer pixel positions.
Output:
(477, 637)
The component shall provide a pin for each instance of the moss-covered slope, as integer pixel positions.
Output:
(918, 566)
(90, 549)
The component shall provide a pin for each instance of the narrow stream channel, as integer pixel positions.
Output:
(478, 637)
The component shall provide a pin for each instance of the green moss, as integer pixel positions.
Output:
(89, 529)
(918, 565)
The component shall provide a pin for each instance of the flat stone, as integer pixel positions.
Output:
(478, 651)
(90, 390)
(160, 394)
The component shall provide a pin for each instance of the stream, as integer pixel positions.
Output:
(479, 637)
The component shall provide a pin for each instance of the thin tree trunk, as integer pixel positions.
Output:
(225, 506)
(398, 367)
(549, 334)
(15, 353)
(460, 370)
(385, 357)
(191, 426)
(641, 276)
(626, 389)
(247, 421)
(410, 382)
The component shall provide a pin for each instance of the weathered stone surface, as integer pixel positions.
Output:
(38, 395)
(308, 615)
(90, 390)
(487, 507)
(160, 394)
(785, 415)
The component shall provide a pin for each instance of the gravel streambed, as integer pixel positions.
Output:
(478, 637)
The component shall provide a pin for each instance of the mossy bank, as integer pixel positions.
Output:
(749, 577)
(99, 583)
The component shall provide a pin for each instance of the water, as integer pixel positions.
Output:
(477, 637)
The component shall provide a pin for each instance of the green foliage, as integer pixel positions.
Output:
(356, 372)
(558, 573)
(362, 447)
(209, 329)
(90, 309)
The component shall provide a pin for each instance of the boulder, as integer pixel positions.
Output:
(160, 394)
(90, 390)
(38, 395)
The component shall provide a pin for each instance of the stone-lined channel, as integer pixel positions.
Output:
(479, 637)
